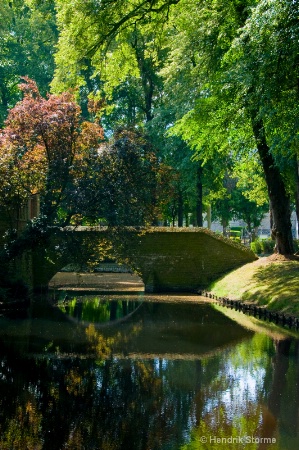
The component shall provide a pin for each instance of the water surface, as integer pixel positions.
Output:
(119, 372)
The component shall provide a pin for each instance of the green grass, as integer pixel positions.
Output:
(273, 284)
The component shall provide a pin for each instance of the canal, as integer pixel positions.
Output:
(125, 370)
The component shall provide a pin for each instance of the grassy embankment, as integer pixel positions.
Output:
(272, 282)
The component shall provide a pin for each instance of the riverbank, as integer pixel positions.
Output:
(271, 282)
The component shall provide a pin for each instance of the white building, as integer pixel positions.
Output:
(263, 230)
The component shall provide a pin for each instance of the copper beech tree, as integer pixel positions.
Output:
(42, 149)
(46, 149)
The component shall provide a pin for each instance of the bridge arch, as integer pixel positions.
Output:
(107, 278)
(167, 259)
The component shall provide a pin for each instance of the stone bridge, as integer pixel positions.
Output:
(167, 259)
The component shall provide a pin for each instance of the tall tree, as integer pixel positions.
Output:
(128, 62)
(120, 44)
(232, 75)
(90, 28)
(236, 83)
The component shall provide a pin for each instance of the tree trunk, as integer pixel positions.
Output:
(199, 196)
(147, 74)
(224, 224)
(186, 218)
(209, 216)
(180, 209)
(279, 199)
(297, 194)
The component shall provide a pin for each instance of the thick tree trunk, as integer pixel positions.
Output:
(199, 196)
(279, 199)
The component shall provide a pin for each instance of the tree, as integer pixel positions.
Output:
(179, 181)
(77, 176)
(129, 63)
(90, 29)
(223, 77)
(28, 37)
(260, 54)
(121, 187)
(124, 54)
(231, 67)
(42, 150)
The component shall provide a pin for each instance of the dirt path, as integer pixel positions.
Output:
(102, 281)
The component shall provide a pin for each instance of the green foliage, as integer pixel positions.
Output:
(296, 245)
(263, 246)
(250, 179)
(128, 64)
(237, 100)
(267, 246)
(121, 184)
(28, 37)
(196, 76)
(117, 42)
(256, 246)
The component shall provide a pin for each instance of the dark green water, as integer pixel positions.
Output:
(118, 373)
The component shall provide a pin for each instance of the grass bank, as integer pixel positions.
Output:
(272, 282)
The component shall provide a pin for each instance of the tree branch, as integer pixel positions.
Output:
(139, 13)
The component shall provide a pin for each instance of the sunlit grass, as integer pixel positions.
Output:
(274, 284)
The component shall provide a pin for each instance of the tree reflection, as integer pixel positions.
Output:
(104, 403)
(23, 429)
(247, 398)
(101, 398)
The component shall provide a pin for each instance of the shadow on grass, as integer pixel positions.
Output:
(276, 285)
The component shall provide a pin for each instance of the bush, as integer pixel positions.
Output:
(256, 247)
(267, 245)
(296, 245)
(236, 239)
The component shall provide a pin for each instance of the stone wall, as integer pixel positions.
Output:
(185, 259)
(21, 267)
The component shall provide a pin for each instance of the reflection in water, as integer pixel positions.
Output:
(154, 376)
(97, 310)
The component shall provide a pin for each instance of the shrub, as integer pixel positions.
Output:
(236, 239)
(296, 245)
(256, 247)
(267, 245)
